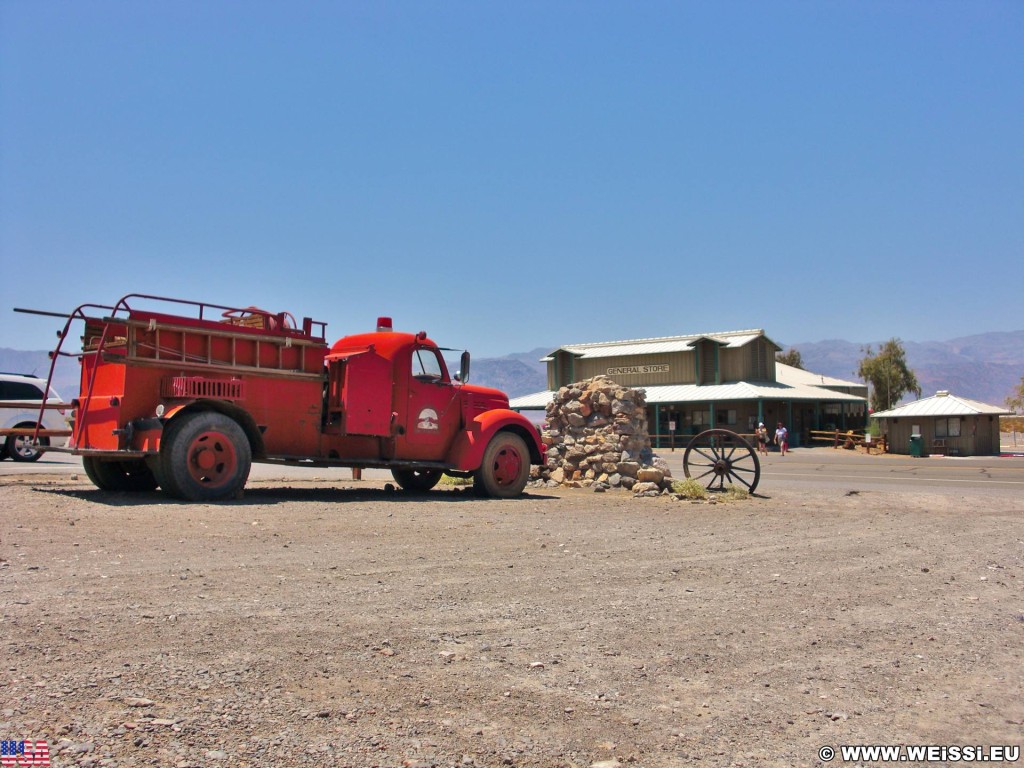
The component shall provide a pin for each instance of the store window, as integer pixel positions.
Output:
(947, 427)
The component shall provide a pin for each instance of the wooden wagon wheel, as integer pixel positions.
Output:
(717, 456)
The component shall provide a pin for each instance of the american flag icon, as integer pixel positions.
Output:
(23, 753)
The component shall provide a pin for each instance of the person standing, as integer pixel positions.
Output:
(762, 438)
(782, 438)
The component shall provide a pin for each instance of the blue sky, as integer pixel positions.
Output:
(514, 175)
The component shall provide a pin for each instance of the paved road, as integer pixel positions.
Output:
(830, 468)
(814, 468)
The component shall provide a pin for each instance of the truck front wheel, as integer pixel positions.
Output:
(416, 480)
(132, 475)
(505, 468)
(204, 457)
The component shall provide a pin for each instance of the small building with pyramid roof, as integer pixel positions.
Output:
(947, 425)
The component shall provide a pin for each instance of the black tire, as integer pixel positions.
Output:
(505, 468)
(20, 448)
(204, 456)
(112, 475)
(417, 480)
(153, 464)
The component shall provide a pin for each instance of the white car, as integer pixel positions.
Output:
(17, 388)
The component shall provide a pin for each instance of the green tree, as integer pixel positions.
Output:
(888, 375)
(790, 357)
(1015, 402)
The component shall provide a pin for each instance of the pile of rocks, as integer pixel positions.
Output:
(597, 437)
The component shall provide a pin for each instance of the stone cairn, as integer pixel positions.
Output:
(597, 437)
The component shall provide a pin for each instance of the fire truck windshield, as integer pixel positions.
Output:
(426, 364)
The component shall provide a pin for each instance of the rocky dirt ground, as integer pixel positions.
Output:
(306, 625)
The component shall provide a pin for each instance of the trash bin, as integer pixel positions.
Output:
(916, 446)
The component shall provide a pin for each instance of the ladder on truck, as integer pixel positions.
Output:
(240, 340)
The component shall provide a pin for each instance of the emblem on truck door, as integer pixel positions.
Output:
(427, 421)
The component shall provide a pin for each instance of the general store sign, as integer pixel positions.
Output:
(637, 369)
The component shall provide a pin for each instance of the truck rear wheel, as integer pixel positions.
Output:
(505, 468)
(417, 480)
(132, 475)
(205, 456)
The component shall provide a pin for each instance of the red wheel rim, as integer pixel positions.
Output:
(507, 466)
(212, 460)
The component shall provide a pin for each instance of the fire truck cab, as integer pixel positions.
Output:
(186, 400)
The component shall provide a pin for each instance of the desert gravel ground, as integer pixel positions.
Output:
(306, 625)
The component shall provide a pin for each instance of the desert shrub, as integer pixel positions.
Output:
(690, 489)
(736, 492)
(455, 481)
(1011, 423)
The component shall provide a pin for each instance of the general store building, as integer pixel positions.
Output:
(693, 383)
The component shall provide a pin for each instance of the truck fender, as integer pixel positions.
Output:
(245, 421)
(468, 449)
(171, 412)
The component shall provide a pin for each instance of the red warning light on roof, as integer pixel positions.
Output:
(384, 324)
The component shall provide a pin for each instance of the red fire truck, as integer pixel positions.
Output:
(186, 398)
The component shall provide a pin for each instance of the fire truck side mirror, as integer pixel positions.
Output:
(462, 375)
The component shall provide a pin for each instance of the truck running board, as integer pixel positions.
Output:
(367, 463)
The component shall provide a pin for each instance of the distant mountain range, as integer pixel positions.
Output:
(65, 377)
(516, 374)
(985, 367)
(520, 373)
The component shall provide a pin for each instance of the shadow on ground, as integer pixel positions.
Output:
(262, 496)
